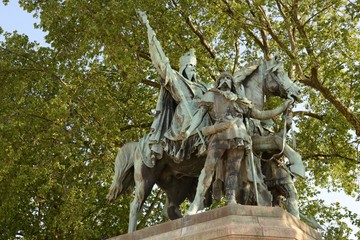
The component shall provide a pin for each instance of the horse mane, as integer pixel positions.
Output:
(245, 74)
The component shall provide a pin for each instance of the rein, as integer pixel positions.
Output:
(284, 140)
(275, 156)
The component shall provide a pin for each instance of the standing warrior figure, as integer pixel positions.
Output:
(229, 139)
(176, 103)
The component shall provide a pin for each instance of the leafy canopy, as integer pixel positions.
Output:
(67, 108)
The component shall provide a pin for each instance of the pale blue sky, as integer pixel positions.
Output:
(12, 18)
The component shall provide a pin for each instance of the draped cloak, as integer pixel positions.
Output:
(172, 117)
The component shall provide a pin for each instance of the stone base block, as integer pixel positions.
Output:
(230, 222)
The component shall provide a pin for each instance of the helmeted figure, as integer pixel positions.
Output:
(228, 140)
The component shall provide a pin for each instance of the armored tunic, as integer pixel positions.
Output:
(227, 112)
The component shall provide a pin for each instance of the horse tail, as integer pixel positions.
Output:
(123, 181)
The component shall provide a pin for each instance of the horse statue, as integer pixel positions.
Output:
(271, 148)
(179, 180)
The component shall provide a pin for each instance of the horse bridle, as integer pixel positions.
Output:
(270, 72)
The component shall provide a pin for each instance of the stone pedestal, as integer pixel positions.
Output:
(230, 222)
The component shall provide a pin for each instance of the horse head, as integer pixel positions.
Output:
(278, 82)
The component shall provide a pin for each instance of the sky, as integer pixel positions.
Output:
(12, 18)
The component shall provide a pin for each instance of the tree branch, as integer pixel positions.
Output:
(300, 27)
(143, 55)
(41, 67)
(230, 12)
(151, 83)
(314, 82)
(290, 31)
(272, 33)
(237, 53)
(310, 114)
(198, 33)
(43, 118)
(345, 111)
(322, 156)
(128, 127)
(266, 45)
(316, 14)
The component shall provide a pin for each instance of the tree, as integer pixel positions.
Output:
(66, 109)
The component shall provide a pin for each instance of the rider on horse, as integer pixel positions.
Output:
(176, 104)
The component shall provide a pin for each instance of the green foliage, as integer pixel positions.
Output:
(66, 109)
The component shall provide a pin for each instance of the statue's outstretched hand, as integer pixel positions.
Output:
(143, 16)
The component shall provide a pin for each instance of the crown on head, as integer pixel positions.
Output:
(187, 58)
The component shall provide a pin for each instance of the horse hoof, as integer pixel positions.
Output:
(190, 212)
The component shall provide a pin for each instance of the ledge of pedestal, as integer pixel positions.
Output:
(230, 222)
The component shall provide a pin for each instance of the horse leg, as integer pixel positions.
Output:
(176, 193)
(284, 187)
(291, 199)
(172, 210)
(205, 179)
(143, 186)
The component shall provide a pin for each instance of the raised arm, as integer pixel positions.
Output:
(267, 114)
(158, 57)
